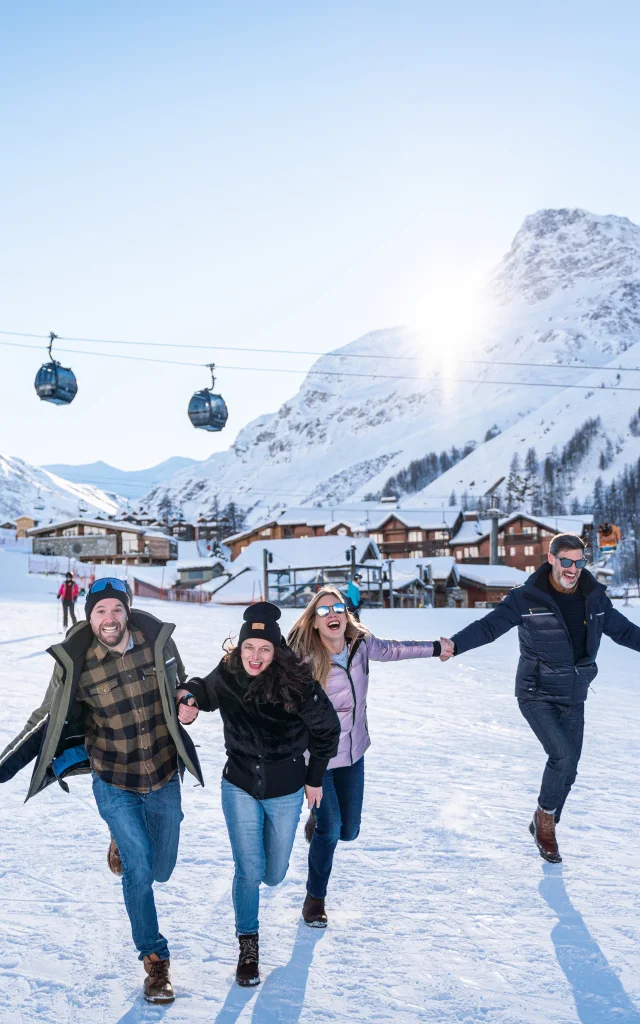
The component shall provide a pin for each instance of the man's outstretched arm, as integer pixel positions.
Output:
(487, 629)
(620, 628)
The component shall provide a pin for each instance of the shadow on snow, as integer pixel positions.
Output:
(597, 990)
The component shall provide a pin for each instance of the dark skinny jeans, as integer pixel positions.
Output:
(337, 818)
(560, 728)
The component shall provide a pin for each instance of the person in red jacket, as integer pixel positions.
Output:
(69, 594)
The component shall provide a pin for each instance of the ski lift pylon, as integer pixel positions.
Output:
(208, 411)
(55, 383)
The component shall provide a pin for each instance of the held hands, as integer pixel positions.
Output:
(313, 795)
(447, 649)
(188, 711)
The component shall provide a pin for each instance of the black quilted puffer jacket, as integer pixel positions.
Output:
(547, 669)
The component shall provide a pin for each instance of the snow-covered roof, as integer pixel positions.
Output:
(110, 524)
(197, 563)
(299, 552)
(558, 524)
(469, 533)
(420, 519)
(441, 566)
(492, 575)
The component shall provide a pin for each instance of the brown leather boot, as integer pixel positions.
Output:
(157, 987)
(310, 826)
(543, 830)
(113, 858)
(248, 969)
(313, 912)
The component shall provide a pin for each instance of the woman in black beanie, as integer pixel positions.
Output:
(272, 711)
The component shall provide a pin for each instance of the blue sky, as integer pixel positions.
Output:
(277, 175)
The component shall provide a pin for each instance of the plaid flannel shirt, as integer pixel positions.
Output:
(127, 739)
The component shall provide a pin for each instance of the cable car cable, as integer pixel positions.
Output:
(340, 373)
(332, 355)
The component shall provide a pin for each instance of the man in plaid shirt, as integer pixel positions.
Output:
(114, 707)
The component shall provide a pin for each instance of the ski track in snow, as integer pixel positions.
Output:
(441, 911)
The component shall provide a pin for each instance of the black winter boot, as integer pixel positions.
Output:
(248, 970)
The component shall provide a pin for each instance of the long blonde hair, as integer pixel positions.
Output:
(305, 639)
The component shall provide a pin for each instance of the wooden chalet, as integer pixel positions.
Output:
(523, 539)
(100, 541)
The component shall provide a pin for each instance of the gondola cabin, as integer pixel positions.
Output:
(56, 383)
(208, 411)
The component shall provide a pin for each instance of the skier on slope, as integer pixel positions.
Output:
(561, 613)
(354, 596)
(114, 707)
(68, 594)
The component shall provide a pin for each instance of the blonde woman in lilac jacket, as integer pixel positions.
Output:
(339, 650)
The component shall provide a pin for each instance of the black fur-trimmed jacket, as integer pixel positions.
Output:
(265, 743)
(547, 669)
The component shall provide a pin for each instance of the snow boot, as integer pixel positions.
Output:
(248, 969)
(157, 986)
(313, 912)
(543, 830)
(310, 826)
(113, 858)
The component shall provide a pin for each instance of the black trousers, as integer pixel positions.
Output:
(68, 607)
(560, 729)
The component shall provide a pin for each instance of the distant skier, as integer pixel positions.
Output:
(112, 708)
(561, 613)
(68, 593)
(608, 537)
(339, 650)
(354, 596)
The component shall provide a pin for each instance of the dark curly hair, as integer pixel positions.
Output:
(288, 680)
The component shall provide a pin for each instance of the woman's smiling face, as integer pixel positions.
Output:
(256, 656)
(333, 625)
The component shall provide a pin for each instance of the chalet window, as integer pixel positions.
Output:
(287, 531)
(266, 533)
(529, 529)
(458, 553)
(512, 552)
(377, 537)
(441, 535)
(530, 569)
(70, 531)
(474, 552)
(501, 551)
(529, 549)
(511, 529)
(415, 536)
(443, 551)
(415, 554)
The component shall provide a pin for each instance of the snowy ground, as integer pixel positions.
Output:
(442, 910)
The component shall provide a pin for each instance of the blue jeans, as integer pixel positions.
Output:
(146, 828)
(560, 729)
(261, 833)
(337, 817)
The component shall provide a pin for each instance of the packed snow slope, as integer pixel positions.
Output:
(568, 291)
(441, 911)
(21, 485)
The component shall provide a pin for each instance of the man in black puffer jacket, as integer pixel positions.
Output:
(561, 613)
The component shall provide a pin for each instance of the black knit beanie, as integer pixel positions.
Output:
(261, 622)
(100, 595)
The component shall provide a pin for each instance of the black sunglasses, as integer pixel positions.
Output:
(566, 563)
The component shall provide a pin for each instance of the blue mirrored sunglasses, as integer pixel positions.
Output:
(108, 581)
(324, 609)
(578, 562)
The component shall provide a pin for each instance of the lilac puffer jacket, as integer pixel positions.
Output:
(347, 690)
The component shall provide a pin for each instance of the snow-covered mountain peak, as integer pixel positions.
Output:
(562, 249)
